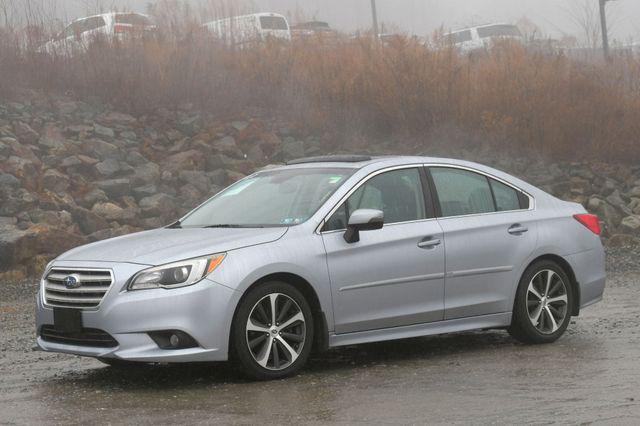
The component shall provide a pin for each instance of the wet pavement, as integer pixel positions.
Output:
(592, 374)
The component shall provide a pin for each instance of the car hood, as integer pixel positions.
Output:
(166, 245)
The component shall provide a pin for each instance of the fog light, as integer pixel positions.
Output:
(173, 339)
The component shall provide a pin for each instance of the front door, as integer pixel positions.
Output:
(393, 276)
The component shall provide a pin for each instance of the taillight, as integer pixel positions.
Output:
(121, 29)
(590, 221)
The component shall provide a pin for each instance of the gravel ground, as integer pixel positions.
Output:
(592, 374)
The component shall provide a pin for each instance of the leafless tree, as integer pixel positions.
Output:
(586, 15)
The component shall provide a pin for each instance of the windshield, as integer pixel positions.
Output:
(269, 198)
(133, 19)
(273, 23)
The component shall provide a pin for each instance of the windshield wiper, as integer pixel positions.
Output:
(232, 225)
(224, 225)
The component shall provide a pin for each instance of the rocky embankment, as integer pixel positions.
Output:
(72, 173)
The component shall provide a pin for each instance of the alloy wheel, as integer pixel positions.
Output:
(547, 302)
(276, 331)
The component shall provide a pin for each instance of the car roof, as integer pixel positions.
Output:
(361, 161)
(109, 14)
(479, 26)
(374, 163)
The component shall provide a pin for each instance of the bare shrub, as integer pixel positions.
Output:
(511, 97)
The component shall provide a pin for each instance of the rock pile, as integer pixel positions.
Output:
(72, 173)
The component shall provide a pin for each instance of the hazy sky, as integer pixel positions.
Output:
(419, 17)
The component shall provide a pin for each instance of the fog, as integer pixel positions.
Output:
(555, 18)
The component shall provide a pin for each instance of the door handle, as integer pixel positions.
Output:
(517, 229)
(429, 242)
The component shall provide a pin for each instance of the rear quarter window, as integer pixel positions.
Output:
(506, 196)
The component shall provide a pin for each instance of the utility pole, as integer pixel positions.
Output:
(603, 28)
(374, 14)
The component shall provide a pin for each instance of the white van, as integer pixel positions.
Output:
(79, 34)
(482, 36)
(248, 29)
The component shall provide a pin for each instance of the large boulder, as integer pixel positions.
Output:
(25, 133)
(88, 221)
(227, 145)
(145, 173)
(186, 160)
(103, 131)
(108, 167)
(631, 225)
(111, 211)
(114, 188)
(21, 246)
(55, 181)
(158, 205)
(99, 149)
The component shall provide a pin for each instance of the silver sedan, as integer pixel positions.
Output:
(325, 252)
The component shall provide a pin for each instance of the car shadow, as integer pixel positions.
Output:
(335, 361)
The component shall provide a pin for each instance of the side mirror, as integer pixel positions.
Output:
(363, 220)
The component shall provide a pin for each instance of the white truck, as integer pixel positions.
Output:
(246, 30)
(482, 36)
(78, 35)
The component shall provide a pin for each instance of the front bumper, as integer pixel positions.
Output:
(203, 310)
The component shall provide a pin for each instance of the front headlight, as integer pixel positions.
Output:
(178, 274)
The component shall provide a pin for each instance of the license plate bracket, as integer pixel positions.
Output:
(67, 320)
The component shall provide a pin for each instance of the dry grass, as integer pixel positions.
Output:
(510, 97)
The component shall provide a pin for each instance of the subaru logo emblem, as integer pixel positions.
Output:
(72, 281)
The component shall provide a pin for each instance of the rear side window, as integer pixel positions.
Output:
(506, 197)
(273, 23)
(397, 193)
(499, 31)
(132, 19)
(461, 192)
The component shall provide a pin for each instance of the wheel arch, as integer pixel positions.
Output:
(321, 333)
(566, 267)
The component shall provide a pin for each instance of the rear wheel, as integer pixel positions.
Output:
(542, 309)
(272, 331)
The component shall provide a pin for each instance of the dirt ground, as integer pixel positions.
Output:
(592, 374)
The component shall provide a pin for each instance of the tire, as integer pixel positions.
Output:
(541, 314)
(265, 351)
(119, 363)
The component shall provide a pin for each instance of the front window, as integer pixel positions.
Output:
(270, 198)
(397, 193)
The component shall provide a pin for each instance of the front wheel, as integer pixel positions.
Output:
(272, 331)
(542, 309)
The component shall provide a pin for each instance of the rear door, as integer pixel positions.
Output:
(393, 276)
(488, 231)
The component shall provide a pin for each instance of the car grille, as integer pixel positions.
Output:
(93, 285)
(92, 337)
